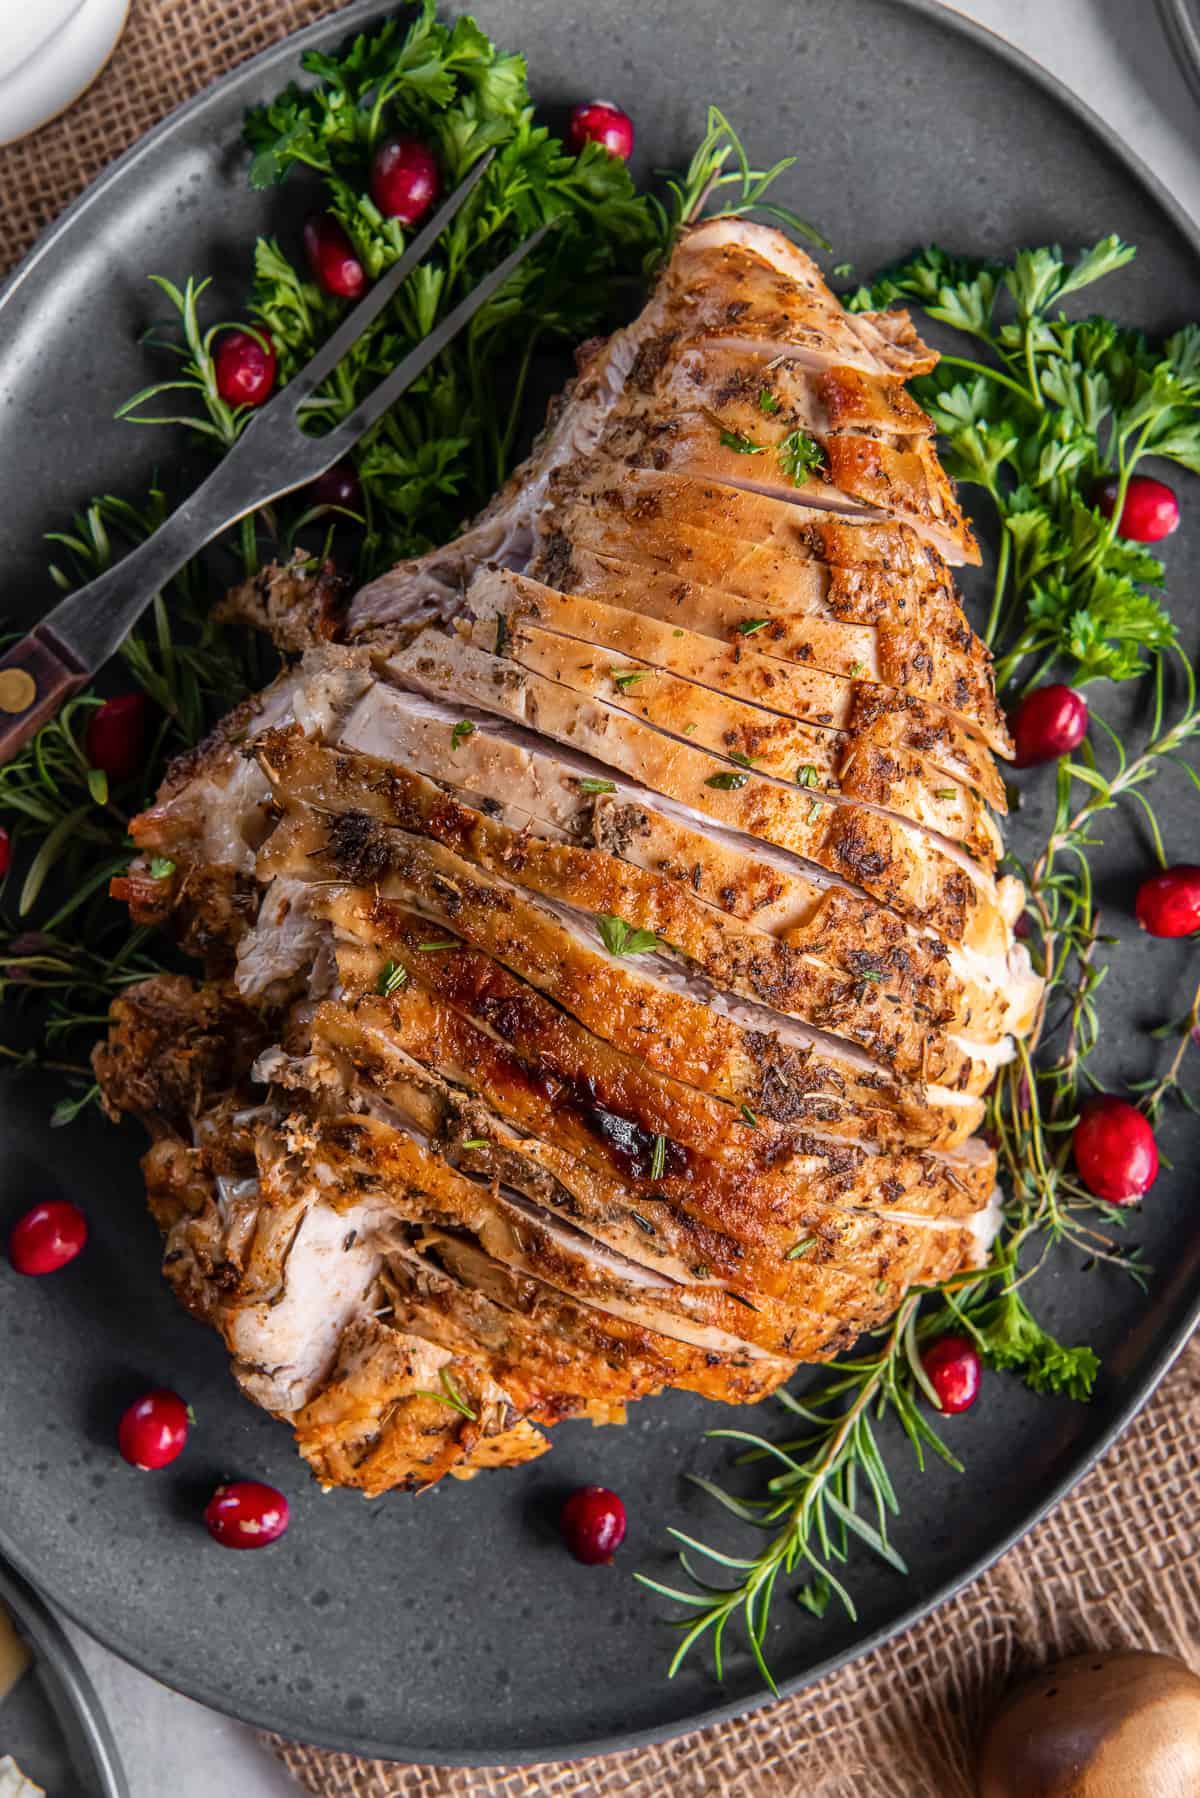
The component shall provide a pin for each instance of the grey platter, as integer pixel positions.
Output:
(454, 1628)
(1181, 19)
(53, 1725)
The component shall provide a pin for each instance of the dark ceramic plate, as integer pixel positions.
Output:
(1182, 21)
(52, 1724)
(454, 1628)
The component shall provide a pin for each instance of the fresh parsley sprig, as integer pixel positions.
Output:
(1050, 408)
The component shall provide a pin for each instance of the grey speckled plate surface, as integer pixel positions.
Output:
(453, 1627)
(1182, 21)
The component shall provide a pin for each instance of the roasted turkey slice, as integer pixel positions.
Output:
(604, 955)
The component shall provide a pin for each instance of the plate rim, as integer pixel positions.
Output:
(343, 22)
(72, 1695)
(1181, 22)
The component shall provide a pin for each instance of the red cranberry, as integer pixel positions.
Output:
(1049, 722)
(116, 735)
(245, 368)
(1168, 904)
(153, 1430)
(600, 122)
(48, 1237)
(332, 258)
(246, 1514)
(5, 852)
(1150, 512)
(1115, 1151)
(954, 1371)
(593, 1524)
(338, 486)
(404, 178)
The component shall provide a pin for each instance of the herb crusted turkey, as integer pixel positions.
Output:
(604, 955)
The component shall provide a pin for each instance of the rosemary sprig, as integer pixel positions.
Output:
(720, 175)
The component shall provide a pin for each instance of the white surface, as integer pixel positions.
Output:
(49, 54)
(1114, 54)
(25, 28)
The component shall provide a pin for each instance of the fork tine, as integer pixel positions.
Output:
(418, 359)
(373, 303)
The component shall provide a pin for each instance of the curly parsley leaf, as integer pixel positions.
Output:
(1010, 1337)
(1061, 406)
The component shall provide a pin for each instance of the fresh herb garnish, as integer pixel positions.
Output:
(449, 1396)
(624, 678)
(740, 444)
(392, 977)
(620, 938)
(806, 775)
(658, 1159)
(799, 456)
(1049, 409)
(748, 626)
(767, 402)
(728, 782)
(590, 785)
(462, 730)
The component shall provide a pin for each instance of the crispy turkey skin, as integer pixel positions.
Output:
(603, 956)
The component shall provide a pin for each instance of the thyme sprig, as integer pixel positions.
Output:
(1185, 1032)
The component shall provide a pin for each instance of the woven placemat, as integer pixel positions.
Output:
(1115, 1564)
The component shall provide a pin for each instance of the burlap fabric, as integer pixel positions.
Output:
(1114, 1566)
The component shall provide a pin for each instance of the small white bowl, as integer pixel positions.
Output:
(50, 53)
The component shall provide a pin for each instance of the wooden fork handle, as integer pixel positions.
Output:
(36, 678)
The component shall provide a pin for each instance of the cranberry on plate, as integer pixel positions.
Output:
(954, 1370)
(332, 257)
(47, 1237)
(245, 367)
(600, 122)
(404, 178)
(115, 738)
(593, 1524)
(1168, 904)
(1150, 512)
(246, 1514)
(339, 486)
(154, 1429)
(1047, 723)
(1115, 1151)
